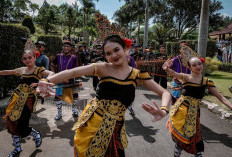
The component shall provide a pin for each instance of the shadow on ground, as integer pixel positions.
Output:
(210, 136)
(152, 96)
(134, 127)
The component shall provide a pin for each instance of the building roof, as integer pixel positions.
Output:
(226, 30)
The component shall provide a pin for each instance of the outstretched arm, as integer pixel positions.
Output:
(71, 73)
(220, 97)
(48, 73)
(11, 72)
(157, 111)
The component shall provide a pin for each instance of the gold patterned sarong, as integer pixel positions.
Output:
(19, 97)
(93, 132)
(184, 115)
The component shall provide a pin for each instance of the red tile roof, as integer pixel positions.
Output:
(226, 30)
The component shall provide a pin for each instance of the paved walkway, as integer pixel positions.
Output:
(146, 139)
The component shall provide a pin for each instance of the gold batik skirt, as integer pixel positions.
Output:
(95, 127)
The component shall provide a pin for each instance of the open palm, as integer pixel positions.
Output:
(155, 111)
(45, 89)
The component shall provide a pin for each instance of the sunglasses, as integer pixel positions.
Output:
(38, 46)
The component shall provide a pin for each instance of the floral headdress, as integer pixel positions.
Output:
(105, 28)
(29, 45)
(187, 53)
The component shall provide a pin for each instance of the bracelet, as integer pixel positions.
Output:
(44, 79)
(165, 109)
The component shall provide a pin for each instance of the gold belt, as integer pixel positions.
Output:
(101, 113)
(23, 91)
(189, 128)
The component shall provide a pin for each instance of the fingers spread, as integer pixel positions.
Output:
(156, 105)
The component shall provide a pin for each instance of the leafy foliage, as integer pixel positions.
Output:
(226, 67)
(53, 44)
(11, 48)
(27, 22)
(184, 14)
(211, 65)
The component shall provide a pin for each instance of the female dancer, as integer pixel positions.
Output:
(184, 122)
(100, 130)
(23, 101)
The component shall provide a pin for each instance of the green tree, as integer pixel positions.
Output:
(184, 14)
(33, 7)
(227, 21)
(47, 17)
(88, 8)
(27, 22)
(6, 7)
(162, 34)
(20, 9)
(70, 17)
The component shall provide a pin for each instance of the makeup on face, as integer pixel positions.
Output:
(66, 46)
(25, 58)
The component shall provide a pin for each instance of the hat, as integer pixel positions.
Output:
(162, 46)
(68, 42)
(40, 43)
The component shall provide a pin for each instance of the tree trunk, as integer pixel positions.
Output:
(138, 37)
(145, 39)
(84, 25)
(86, 31)
(203, 28)
(130, 29)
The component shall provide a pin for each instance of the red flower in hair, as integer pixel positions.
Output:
(202, 59)
(37, 54)
(127, 42)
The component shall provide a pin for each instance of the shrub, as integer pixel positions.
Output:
(211, 65)
(226, 67)
(27, 22)
(53, 44)
(11, 48)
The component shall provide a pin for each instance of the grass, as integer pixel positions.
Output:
(222, 81)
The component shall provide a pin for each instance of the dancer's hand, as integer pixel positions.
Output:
(33, 85)
(155, 111)
(167, 64)
(46, 89)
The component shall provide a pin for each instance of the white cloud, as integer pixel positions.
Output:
(55, 2)
(226, 14)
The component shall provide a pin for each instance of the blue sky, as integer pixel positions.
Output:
(108, 7)
(227, 4)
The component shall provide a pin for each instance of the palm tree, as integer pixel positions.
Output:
(145, 39)
(162, 34)
(88, 8)
(92, 28)
(203, 28)
(137, 13)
